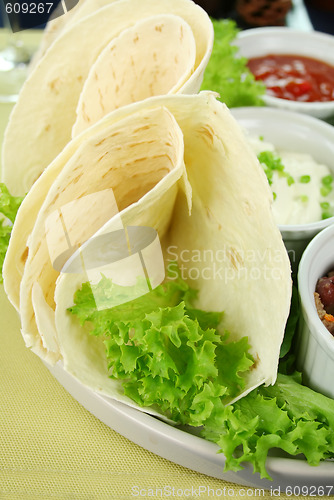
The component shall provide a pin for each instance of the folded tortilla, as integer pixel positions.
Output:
(113, 80)
(50, 95)
(130, 157)
(178, 164)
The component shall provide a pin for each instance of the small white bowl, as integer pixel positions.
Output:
(259, 42)
(315, 345)
(299, 133)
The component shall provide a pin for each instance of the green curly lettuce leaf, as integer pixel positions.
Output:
(173, 357)
(287, 415)
(227, 73)
(9, 206)
(169, 354)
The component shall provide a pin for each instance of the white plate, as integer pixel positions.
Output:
(194, 452)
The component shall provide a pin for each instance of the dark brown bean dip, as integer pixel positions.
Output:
(324, 300)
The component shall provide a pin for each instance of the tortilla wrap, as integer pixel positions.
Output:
(51, 93)
(130, 158)
(248, 272)
(113, 79)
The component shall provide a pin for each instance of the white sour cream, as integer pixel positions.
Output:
(300, 202)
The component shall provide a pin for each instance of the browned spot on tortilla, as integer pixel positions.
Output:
(101, 142)
(144, 159)
(117, 89)
(101, 157)
(96, 76)
(84, 114)
(114, 134)
(79, 78)
(105, 174)
(54, 85)
(138, 160)
(256, 361)
(208, 133)
(76, 179)
(235, 258)
(140, 129)
(233, 261)
(86, 117)
(24, 255)
(140, 143)
(176, 59)
(47, 128)
(78, 167)
(82, 195)
(155, 56)
(101, 99)
(209, 213)
(136, 38)
(159, 27)
(55, 198)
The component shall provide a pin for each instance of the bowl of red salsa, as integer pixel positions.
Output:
(296, 67)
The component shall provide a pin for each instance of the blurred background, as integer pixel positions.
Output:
(253, 13)
(246, 13)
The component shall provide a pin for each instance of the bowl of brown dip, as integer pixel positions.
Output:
(315, 345)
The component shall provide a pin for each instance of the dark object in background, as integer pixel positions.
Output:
(263, 12)
(29, 14)
(217, 8)
(327, 5)
(321, 13)
(249, 13)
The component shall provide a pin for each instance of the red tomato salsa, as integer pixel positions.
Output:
(293, 77)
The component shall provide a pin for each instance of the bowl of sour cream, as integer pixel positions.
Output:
(296, 152)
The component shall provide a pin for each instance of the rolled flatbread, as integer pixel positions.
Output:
(182, 166)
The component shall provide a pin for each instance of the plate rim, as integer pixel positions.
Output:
(189, 450)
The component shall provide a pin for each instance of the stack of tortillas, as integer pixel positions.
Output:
(100, 146)
(105, 55)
